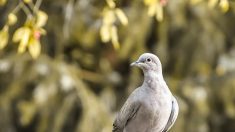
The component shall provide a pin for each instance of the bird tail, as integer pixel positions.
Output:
(116, 129)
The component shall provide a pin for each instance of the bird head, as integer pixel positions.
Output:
(148, 62)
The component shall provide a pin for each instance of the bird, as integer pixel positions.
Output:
(150, 107)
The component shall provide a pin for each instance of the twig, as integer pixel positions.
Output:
(17, 8)
(26, 10)
(37, 5)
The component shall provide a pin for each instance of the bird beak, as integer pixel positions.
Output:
(135, 63)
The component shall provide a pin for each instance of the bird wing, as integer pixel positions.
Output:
(173, 115)
(127, 112)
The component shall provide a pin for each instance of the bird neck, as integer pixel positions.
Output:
(153, 79)
(150, 74)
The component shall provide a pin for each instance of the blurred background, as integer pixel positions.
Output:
(64, 64)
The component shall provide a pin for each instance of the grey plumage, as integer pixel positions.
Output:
(173, 115)
(151, 107)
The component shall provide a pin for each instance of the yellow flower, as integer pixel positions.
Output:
(27, 1)
(22, 36)
(41, 19)
(224, 5)
(29, 35)
(114, 37)
(2, 2)
(34, 47)
(121, 16)
(108, 30)
(105, 33)
(149, 2)
(109, 17)
(155, 8)
(212, 3)
(159, 12)
(111, 3)
(12, 19)
(4, 36)
(152, 10)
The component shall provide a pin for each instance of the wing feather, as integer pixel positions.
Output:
(173, 115)
(127, 112)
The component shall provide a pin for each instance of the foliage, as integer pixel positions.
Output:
(78, 84)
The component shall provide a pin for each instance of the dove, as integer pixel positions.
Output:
(150, 107)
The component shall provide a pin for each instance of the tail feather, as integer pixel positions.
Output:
(116, 129)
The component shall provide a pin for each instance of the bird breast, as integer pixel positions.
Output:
(158, 109)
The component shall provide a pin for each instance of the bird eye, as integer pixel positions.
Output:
(148, 60)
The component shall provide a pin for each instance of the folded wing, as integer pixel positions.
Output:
(173, 115)
(127, 112)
